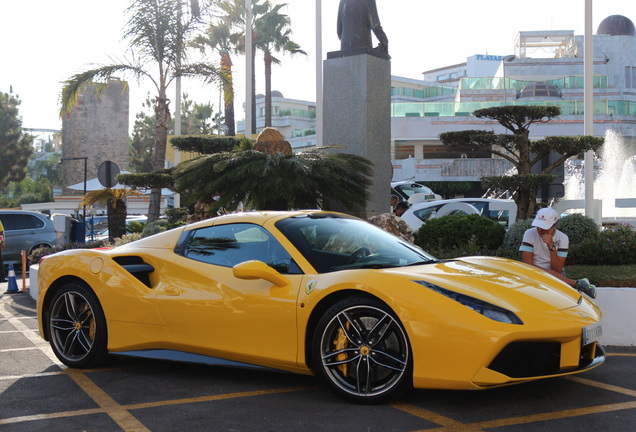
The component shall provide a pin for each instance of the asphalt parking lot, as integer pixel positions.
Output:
(38, 393)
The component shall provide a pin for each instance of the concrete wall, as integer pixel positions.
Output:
(618, 306)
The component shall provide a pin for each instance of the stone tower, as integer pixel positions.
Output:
(97, 128)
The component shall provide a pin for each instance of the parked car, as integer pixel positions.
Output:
(25, 230)
(500, 210)
(412, 192)
(317, 292)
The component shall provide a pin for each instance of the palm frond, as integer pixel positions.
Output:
(106, 195)
(99, 77)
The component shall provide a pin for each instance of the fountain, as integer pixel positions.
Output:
(615, 178)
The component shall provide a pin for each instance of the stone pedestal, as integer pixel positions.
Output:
(357, 116)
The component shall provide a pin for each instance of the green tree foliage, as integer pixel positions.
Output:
(205, 144)
(223, 36)
(157, 179)
(158, 32)
(520, 151)
(196, 118)
(46, 166)
(273, 35)
(275, 181)
(15, 145)
(27, 191)
(116, 199)
(141, 150)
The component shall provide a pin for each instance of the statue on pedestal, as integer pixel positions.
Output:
(356, 20)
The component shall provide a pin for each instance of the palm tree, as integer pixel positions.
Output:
(220, 36)
(263, 181)
(273, 33)
(116, 200)
(157, 31)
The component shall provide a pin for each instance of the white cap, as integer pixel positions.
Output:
(546, 218)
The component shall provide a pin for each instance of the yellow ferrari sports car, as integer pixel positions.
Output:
(322, 293)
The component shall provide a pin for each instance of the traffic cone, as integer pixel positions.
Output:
(13, 284)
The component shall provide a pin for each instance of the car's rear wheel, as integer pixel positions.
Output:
(362, 352)
(77, 328)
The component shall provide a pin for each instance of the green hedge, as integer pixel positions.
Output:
(460, 234)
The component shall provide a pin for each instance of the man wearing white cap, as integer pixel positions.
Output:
(546, 247)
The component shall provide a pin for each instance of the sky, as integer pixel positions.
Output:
(45, 42)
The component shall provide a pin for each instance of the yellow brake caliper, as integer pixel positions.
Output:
(91, 324)
(341, 342)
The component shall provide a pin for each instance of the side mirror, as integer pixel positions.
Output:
(259, 270)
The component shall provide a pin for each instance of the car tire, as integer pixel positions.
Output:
(77, 327)
(362, 352)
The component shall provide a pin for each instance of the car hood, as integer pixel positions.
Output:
(510, 284)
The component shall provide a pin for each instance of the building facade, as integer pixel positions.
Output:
(545, 69)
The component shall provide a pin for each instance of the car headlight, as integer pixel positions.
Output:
(488, 310)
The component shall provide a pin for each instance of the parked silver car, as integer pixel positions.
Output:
(25, 230)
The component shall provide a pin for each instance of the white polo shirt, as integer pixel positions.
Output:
(532, 242)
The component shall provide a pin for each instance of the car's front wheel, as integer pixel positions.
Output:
(77, 328)
(362, 352)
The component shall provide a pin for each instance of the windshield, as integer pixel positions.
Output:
(333, 242)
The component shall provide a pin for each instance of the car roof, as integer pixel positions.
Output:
(258, 217)
(24, 212)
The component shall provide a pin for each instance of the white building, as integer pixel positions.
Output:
(545, 69)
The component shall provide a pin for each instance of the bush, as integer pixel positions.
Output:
(39, 253)
(177, 217)
(155, 227)
(577, 227)
(513, 237)
(460, 234)
(135, 226)
(126, 238)
(612, 246)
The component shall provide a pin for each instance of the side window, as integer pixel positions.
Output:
(32, 222)
(426, 213)
(13, 222)
(228, 245)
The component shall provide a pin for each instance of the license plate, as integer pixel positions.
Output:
(592, 333)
